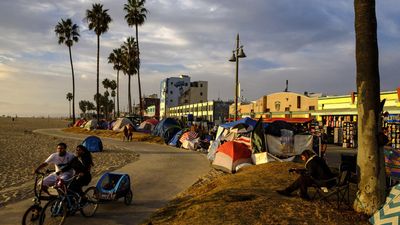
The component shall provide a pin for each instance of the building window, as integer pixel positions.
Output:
(201, 93)
(267, 110)
(170, 100)
(311, 107)
(201, 85)
(287, 108)
(172, 83)
(298, 102)
(170, 92)
(277, 106)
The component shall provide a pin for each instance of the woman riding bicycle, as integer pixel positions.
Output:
(81, 163)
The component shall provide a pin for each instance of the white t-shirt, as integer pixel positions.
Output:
(60, 161)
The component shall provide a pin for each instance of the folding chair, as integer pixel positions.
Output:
(340, 191)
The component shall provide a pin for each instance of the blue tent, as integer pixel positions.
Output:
(93, 144)
(166, 128)
(247, 120)
(175, 139)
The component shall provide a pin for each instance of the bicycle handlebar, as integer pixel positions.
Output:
(47, 171)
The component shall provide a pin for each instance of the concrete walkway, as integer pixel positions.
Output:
(160, 174)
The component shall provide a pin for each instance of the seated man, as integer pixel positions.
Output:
(60, 159)
(315, 172)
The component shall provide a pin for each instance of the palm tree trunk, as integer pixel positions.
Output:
(138, 75)
(114, 108)
(118, 93)
(69, 101)
(97, 90)
(129, 95)
(370, 161)
(73, 87)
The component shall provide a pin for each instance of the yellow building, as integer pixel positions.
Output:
(278, 105)
(338, 115)
(346, 105)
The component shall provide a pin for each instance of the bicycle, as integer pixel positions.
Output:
(32, 214)
(68, 202)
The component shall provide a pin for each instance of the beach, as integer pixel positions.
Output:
(21, 151)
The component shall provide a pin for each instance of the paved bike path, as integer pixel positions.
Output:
(160, 174)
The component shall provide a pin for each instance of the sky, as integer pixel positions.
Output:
(311, 43)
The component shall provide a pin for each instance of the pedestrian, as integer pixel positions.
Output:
(324, 142)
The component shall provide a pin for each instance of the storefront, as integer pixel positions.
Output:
(338, 116)
(391, 123)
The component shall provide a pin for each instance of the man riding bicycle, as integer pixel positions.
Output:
(60, 159)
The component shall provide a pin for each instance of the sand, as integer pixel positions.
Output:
(21, 151)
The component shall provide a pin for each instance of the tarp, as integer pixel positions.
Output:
(120, 123)
(93, 144)
(175, 139)
(280, 146)
(247, 120)
(230, 155)
(276, 127)
(258, 144)
(392, 162)
(166, 128)
(212, 150)
(189, 135)
(390, 211)
(190, 144)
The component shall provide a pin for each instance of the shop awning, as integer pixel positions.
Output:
(289, 120)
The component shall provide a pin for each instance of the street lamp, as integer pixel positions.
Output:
(237, 53)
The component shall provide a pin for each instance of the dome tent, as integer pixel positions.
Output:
(93, 144)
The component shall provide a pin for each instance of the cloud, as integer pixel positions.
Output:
(310, 43)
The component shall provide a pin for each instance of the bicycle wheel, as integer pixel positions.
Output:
(89, 203)
(32, 215)
(128, 198)
(54, 212)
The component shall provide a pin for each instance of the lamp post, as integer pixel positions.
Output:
(237, 53)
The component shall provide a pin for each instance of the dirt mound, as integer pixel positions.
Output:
(249, 197)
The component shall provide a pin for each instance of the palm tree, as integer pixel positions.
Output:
(69, 98)
(82, 106)
(115, 57)
(68, 33)
(113, 86)
(106, 84)
(113, 94)
(130, 64)
(98, 20)
(86, 106)
(136, 15)
(371, 187)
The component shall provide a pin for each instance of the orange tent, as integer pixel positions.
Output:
(230, 155)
